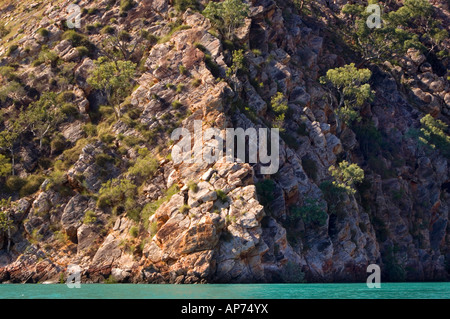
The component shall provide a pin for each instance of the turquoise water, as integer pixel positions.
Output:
(224, 291)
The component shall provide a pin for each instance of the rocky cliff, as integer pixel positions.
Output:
(163, 222)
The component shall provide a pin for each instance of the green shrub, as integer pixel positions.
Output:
(176, 104)
(180, 88)
(33, 182)
(183, 5)
(239, 64)
(134, 231)
(46, 56)
(153, 229)
(58, 143)
(279, 103)
(90, 28)
(89, 217)
(57, 179)
(256, 52)
(108, 30)
(144, 167)
(227, 15)
(107, 138)
(126, 5)
(64, 97)
(334, 196)
(196, 82)
(90, 129)
(12, 48)
(346, 175)
(312, 213)
(110, 280)
(4, 31)
(193, 186)
(92, 11)
(184, 209)
(353, 90)
(69, 109)
(182, 69)
(43, 32)
(432, 134)
(15, 183)
(265, 190)
(77, 39)
(212, 66)
(132, 140)
(222, 196)
(83, 51)
(71, 155)
(102, 159)
(115, 192)
(5, 166)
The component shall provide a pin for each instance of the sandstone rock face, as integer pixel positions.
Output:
(73, 215)
(225, 222)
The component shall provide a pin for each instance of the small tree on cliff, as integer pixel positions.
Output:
(9, 138)
(6, 223)
(388, 41)
(351, 89)
(346, 175)
(227, 16)
(43, 116)
(115, 79)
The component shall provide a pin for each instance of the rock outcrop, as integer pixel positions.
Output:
(202, 222)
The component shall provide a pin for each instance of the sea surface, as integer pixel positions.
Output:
(434, 290)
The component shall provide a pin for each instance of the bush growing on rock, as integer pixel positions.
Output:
(265, 190)
(5, 166)
(126, 5)
(4, 31)
(352, 90)
(115, 79)
(89, 217)
(43, 116)
(134, 231)
(12, 48)
(222, 196)
(312, 213)
(43, 32)
(32, 184)
(279, 105)
(144, 167)
(115, 192)
(77, 39)
(227, 15)
(392, 39)
(183, 5)
(432, 134)
(346, 175)
(14, 183)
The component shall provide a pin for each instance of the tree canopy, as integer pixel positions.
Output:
(352, 89)
(227, 16)
(115, 78)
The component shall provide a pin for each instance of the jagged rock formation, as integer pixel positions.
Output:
(218, 226)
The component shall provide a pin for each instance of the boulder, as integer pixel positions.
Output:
(72, 217)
